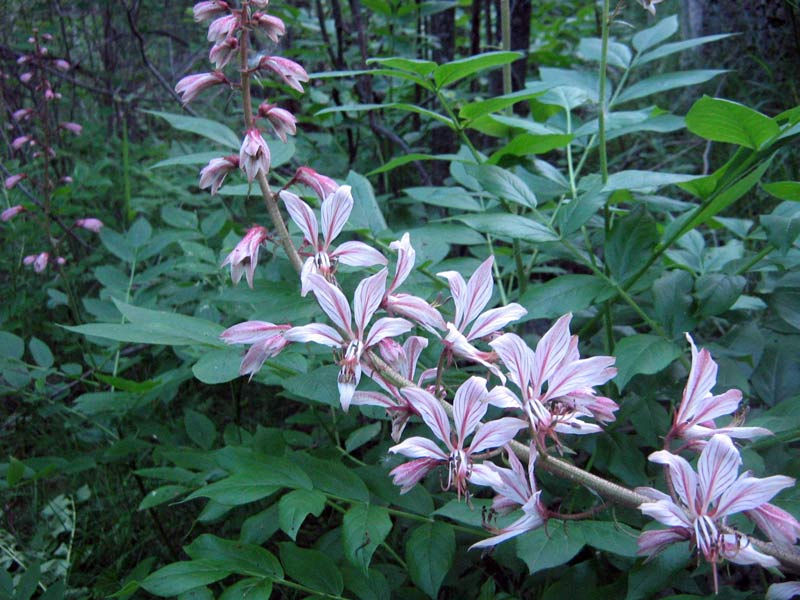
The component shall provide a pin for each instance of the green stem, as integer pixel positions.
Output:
(601, 120)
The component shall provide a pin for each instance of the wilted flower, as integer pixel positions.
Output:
(223, 28)
(469, 407)
(11, 212)
(209, 9)
(244, 257)
(288, 70)
(190, 86)
(514, 489)
(272, 26)
(90, 224)
(214, 173)
(470, 299)
(705, 500)
(694, 419)
(335, 209)
(556, 385)
(322, 185)
(223, 52)
(355, 341)
(14, 180)
(266, 338)
(254, 155)
(282, 121)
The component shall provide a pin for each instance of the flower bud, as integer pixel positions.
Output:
(283, 122)
(12, 212)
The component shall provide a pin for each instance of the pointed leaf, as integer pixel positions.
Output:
(430, 551)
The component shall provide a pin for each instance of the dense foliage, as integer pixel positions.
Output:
(562, 249)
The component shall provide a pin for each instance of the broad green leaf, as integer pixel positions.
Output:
(566, 293)
(14, 472)
(294, 507)
(177, 217)
(200, 429)
(94, 403)
(252, 588)
(404, 159)
(241, 558)
(652, 36)
(629, 245)
(389, 105)
(481, 108)
(449, 73)
(503, 184)
(366, 586)
(160, 495)
(642, 354)
(117, 244)
(180, 577)
(549, 547)
(430, 551)
(216, 132)
(319, 385)
(642, 180)
(505, 225)
(199, 330)
(364, 527)
(717, 292)
(198, 158)
(332, 478)
(11, 346)
(312, 569)
(653, 576)
(672, 48)
(134, 334)
(366, 212)
(361, 436)
(413, 65)
(246, 461)
(260, 527)
(665, 82)
(140, 233)
(41, 353)
(609, 536)
(26, 586)
(725, 121)
(447, 197)
(218, 366)
(238, 489)
(528, 144)
(585, 86)
(619, 55)
(784, 190)
(782, 225)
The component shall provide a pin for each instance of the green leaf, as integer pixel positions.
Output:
(361, 436)
(366, 212)
(642, 354)
(11, 346)
(412, 65)
(134, 334)
(312, 569)
(619, 55)
(294, 507)
(456, 198)
(218, 366)
(160, 495)
(610, 536)
(503, 184)
(629, 245)
(15, 471)
(200, 429)
(139, 233)
(180, 577)
(667, 81)
(506, 225)
(364, 527)
(26, 586)
(404, 159)
(567, 293)
(241, 558)
(177, 217)
(449, 73)
(41, 353)
(549, 547)
(717, 292)
(332, 478)
(430, 551)
(117, 244)
(783, 225)
(643, 180)
(251, 588)
(528, 144)
(198, 158)
(784, 190)
(652, 36)
(668, 49)
(481, 108)
(654, 576)
(216, 132)
(366, 586)
(721, 120)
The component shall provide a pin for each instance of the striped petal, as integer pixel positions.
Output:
(303, 216)
(336, 209)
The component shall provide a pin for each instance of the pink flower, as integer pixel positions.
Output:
(61, 261)
(28, 260)
(470, 299)
(223, 52)
(272, 27)
(223, 28)
(26, 77)
(556, 385)
(335, 209)
(695, 416)
(469, 407)
(244, 257)
(72, 127)
(14, 180)
(402, 359)
(515, 488)
(288, 70)
(90, 224)
(11, 212)
(356, 340)
(204, 11)
(323, 186)
(214, 173)
(282, 121)
(413, 307)
(40, 262)
(266, 338)
(779, 526)
(783, 591)
(254, 155)
(22, 114)
(61, 64)
(20, 141)
(704, 501)
(190, 86)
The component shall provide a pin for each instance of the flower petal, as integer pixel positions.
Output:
(748, 493)
(335, 210)
(528, 522)
(419, 447)
(415, 309)
(367, 299)
(702, 377)
(652, 542)
(717, 469)
(479, 291)
(387, 327)
(409, 474)
(431, 412)
(516, 356)
(406, 256)
(303, 216)
(318, 333)
(251, 332)
(683, 476)
(666, 512)
(358, 254)
(551, 350)
(495, 319)
(332, 301)
(783, 591)
(469, 407)
(780, 526)
(738, 549)
(496, 433)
